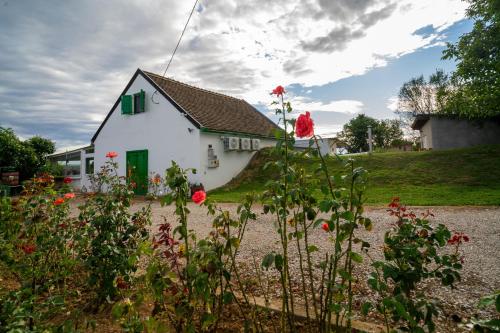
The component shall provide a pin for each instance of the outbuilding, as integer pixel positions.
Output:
(157, 120)
(442, 132)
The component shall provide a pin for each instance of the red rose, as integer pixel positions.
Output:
(304, 126)
(325, 227)
(62, 225)
(69, 195)
(67, 180)
(28, 248)
(112, 154)
(199, 197)
(278, 91)
(58, 201)
(121, 284)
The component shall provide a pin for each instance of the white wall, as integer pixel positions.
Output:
(84, 181)
(162, 130)
(231, 163)
(426, 135)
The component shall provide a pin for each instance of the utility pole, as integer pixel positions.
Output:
(370, 140)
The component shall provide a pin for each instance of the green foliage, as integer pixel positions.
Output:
(413, 253)
(488, 325)
(477, 74)
(27, 157)
(37, 245)
(193, 280)
(112, 239)
(403, 174)
(384, 132)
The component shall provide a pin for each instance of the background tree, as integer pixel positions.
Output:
(355, 133)
(477, 53)
(28, 156)
(42, 148)
(421, 96)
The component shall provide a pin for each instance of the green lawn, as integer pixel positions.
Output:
(451, 177)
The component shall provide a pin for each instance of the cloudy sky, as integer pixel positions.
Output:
(63, 63)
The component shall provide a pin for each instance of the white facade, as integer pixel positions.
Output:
(231, 163)
(168, 135)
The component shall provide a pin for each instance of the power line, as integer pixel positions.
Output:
(176, 46)
(180, 38)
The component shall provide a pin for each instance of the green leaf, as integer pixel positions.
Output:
(228, 297)
(312, 248)
(278, 262)
(268, 260)
(365, 308)
(356, 257)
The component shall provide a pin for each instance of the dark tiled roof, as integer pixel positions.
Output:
(214, 111)
(420, 121)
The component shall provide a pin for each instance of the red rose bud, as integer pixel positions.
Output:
(67, 180)
(278, 91)
(199, 197)
(58, 201)
(112, 154)
(325, 227)
(304, 126)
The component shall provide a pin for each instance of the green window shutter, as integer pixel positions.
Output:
(143, 100)
(126, 101)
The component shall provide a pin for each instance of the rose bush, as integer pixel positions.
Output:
(413, 253)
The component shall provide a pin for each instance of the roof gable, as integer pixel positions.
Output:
(205, 109)
(215, 111)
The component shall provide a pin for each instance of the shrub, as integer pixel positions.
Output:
(39, 250)
(414, 251)
(113, 236)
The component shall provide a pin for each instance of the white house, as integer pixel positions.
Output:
(158, 120)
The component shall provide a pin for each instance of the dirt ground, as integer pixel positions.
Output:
(480, 276)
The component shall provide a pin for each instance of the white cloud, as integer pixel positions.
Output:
(392, 103)
(302, 104)
(55, 67)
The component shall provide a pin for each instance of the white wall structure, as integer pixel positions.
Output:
(231, 163)
(178, 125)
(161, 129)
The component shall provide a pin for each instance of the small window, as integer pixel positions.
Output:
(89, 165)
(139, 101)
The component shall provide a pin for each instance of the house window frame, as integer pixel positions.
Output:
(87, 165)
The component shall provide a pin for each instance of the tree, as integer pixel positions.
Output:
(27, 157)
(421, 96)
(42, 148)
(355, 133)
(477, 53)
(388, 131)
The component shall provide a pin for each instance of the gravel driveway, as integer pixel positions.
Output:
(480, 276)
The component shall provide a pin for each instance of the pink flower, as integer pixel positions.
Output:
(58, 201)
(112, 154)
(325, 227)
(199, 197)
(69, 196)
(278, 91)
(67, 180)
(304, 126)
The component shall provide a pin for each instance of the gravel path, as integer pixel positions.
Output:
(480, 276)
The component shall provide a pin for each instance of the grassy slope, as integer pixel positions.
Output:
(452, 177)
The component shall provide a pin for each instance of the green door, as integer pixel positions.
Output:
(137, 170)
